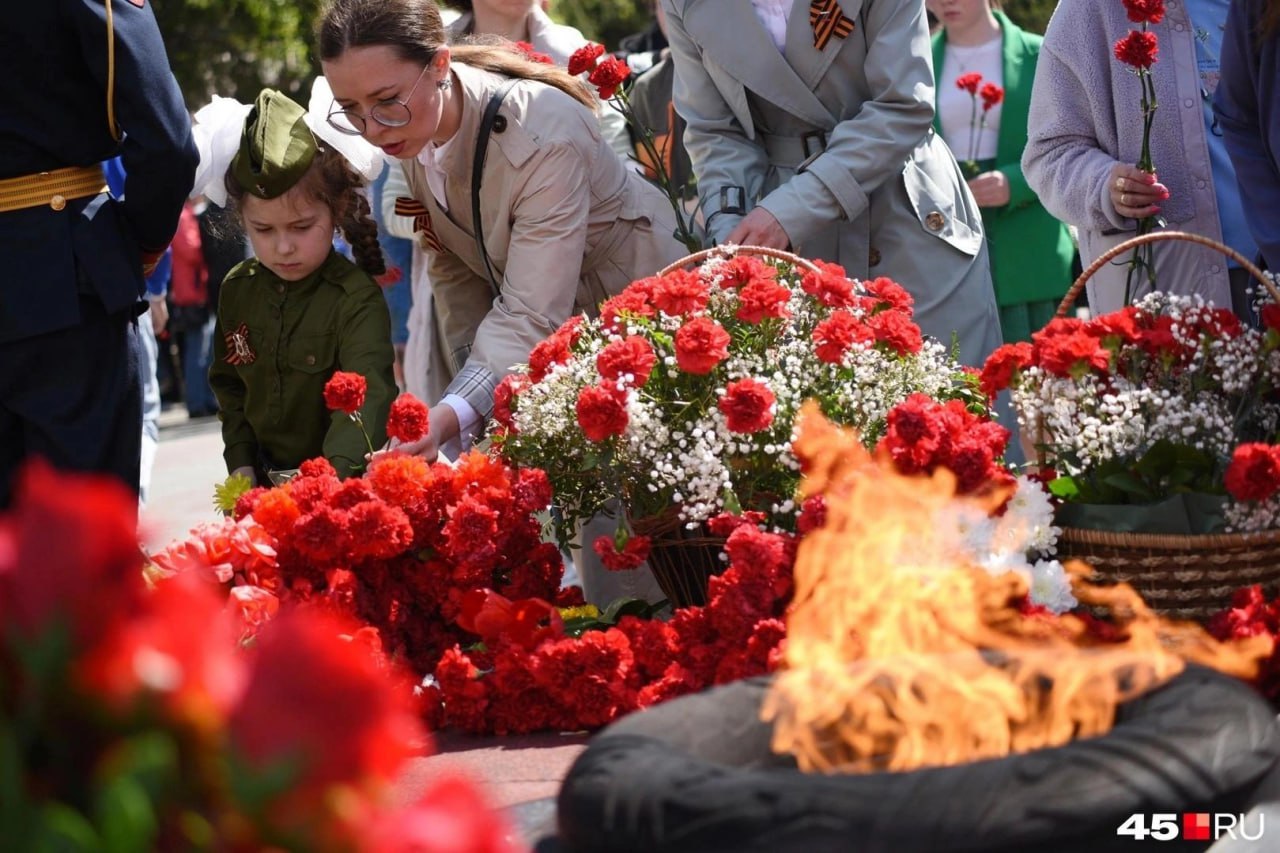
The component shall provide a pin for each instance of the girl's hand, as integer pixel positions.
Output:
(247, 471)
(1134, 193)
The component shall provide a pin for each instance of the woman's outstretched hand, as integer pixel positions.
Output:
(443, 422)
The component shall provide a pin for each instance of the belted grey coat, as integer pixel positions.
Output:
(838, 145)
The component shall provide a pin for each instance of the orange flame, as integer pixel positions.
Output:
(901, 656)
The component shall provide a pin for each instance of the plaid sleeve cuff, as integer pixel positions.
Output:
(476, 385)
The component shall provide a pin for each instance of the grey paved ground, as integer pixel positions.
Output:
(188, 464)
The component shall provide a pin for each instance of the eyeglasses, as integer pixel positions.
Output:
(388, 113)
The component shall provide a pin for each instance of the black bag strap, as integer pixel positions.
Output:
(487, 123)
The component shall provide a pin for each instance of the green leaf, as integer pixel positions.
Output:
(226, 493)
(1064, 487)
(65, 830)
(620, 607)
(125, 815)
(1130, 484)
(731, 503)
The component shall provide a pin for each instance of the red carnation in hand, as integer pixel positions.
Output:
(584, 58)
(991, 95)
(701, 344)
(1145, 11)
(602, 412)
(1139, 48)
(747, 405)
(608, 76)
(409, 419)
(344, 392)
(1254, 472)
(969, 82)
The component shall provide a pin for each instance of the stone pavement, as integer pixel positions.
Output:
(519, 774)
(188, 465)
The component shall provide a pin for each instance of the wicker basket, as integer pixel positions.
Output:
(682, 560)
(730, 251)
(1180, 576)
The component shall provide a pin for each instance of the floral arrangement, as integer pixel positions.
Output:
(990, 94)
(683, 393)
(132, 719)
(1138, 50)
(1251, 615)
(1169, 397)
(609, 75)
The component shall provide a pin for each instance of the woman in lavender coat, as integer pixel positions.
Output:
(1248, 108)
(1085, 135)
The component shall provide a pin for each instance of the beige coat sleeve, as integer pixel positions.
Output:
(544, 258)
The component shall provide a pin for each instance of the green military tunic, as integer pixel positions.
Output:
(276, 345)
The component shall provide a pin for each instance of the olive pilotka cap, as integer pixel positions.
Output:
(276, 148)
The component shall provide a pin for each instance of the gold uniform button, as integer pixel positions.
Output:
(934, 221)
(873, 257)
(57, 202)
(279, 288)
(311, 359)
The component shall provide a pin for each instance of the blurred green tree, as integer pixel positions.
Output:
(1031, 15)
(236, 47)
(604, 21)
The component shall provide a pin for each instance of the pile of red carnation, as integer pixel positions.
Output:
(400, 547)
(528, 675)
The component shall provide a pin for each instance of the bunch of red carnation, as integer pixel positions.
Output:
(924, 434)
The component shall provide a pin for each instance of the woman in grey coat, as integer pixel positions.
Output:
(819, 136)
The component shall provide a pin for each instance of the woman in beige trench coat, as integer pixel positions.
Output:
(565, 223)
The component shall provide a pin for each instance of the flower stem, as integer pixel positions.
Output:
(684, 231)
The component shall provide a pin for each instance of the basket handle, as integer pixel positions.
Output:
(1156, 237)
(759, 251)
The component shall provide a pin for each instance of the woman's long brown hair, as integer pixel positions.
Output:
(414, 30)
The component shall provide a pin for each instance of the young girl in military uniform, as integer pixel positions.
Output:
(298, 311)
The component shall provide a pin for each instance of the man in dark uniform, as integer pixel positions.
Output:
(81, 81)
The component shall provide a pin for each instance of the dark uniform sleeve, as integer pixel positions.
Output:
(158, 150)
(364, 347)
(239, 442)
